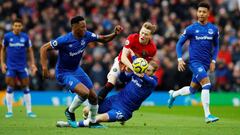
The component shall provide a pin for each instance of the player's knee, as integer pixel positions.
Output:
(84, 96)
(206, 86)
(10, 82)
(9, 89)
(192, 90)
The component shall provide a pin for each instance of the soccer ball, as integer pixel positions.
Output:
(140, 65)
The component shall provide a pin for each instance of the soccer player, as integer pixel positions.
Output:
(121, 106)
(139, 44)
(15, 46)
(68, 73)
(203, 50)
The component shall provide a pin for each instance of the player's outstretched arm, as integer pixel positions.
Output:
(150, 80)
(3, 56)
(181, 63)
(215, 52)
(124, 58)
(43, 59)
(32, 61)
(106, 38)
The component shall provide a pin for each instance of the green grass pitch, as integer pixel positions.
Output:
(147, 121)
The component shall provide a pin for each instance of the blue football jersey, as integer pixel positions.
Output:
(16, 50)
(136, 91)
(71, 50)
(203, 42)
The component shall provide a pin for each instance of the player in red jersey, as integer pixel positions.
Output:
(138, 44)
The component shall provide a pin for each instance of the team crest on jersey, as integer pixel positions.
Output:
(197, 31)
(127, 42)
(83, 42)
(210, 31)
(11, 39)
(70, 45)
(22, 40)
(200, 69)
(94, 35)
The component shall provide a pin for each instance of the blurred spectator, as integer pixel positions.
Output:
(45, 20)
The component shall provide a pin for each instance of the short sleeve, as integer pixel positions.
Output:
(186, 33)
(28, 43)
(5, 41)
(91, 37)
(58, 43)
(128, 42)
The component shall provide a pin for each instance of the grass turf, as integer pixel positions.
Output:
(146, 121)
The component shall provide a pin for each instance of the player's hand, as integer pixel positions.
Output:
(181, 65)
(4, 68)
(118, 29)
(212, 67)
(33, 69)
(45, 73)
(139, 74)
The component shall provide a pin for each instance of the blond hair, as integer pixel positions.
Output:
(150, 27)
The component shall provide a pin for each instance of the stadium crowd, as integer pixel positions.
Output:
(45, 20)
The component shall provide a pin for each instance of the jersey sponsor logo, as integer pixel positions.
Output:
(203, 38)
(16, 44)
(210, 31)
(76, 53)
(136, 82)
(127, 42)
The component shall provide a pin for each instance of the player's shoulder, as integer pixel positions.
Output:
(213, 26)
(192, 26)
(67, 36)
(8, 34)
(133, 36)
(153, 77)
(23, 34)
(90, 34)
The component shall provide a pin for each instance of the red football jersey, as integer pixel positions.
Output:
(144, 51)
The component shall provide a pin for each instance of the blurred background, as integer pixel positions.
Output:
(45, 20)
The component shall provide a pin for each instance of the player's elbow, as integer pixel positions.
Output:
(44, 48)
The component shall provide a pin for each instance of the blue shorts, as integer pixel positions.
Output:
(113, 108)
(69, 80)
(199, 71)
(20, 73)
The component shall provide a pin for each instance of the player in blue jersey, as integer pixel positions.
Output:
(68, 72)
(203, 50)
(15, 47)
(121, 106)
